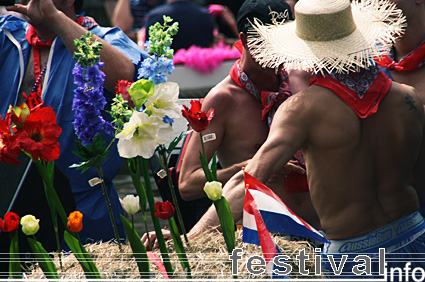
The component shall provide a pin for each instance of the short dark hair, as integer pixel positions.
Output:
(260, 9)
(78, 5)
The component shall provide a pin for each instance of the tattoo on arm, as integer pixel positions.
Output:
(411, 102)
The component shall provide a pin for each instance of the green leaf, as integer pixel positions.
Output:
(93, 162)
(14, 262)
(83, 257)
(178, 245)
(227, 223)
(86, 153)
(139, 250)
(176, 141)
(214, 166)
(44, 260)
(160, 237)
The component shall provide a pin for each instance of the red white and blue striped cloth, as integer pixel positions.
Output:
(264, 211)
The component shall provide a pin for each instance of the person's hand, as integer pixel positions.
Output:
(38, 12)
(292, 165)
(152, 237)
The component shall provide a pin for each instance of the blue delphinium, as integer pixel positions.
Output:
(155, 68)
(89, 100)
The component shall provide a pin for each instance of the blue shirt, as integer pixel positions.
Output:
(58, 93)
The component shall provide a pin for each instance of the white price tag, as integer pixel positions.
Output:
(95, 181)
(162, 174)
(209, 137)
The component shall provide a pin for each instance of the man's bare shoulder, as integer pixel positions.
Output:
(224, 95)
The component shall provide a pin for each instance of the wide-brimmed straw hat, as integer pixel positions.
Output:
(328, 35)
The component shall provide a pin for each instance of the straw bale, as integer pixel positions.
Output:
(207, 256)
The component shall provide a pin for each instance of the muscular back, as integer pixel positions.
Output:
(358, 169)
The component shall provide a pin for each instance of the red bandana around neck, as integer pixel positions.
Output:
(412, 61)
(38, 44)
(361, 91)
(270, 101)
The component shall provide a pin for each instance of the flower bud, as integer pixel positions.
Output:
(10, 222)
(213, 190)
(164, 210)
(30, 224)
(131, 204)
(75, 221)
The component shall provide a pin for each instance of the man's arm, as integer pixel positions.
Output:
(192, 177)
(287, 134)
(44, 14)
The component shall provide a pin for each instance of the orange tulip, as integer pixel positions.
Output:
(75, 221)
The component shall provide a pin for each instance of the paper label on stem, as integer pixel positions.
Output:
(162, 174)
(95, 181)
(209, 137)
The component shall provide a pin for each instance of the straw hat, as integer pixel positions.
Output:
(328, 35)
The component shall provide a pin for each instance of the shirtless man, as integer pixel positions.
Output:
(235, 111)
(359, 159)
(412, 68)
(240, 130)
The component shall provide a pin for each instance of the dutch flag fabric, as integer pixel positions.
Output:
(264, 211)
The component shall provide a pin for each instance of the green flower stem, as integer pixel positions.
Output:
(51, 195)
(14, 261)
(173, 194)
(204, 162)
(145, 219)
(159, 236)
(46, 171)
(178, 245)
(134, 168)
(108, 204)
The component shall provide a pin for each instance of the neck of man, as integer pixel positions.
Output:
(413, 36)
(263, 79)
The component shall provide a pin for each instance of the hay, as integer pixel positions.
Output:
(207, 256)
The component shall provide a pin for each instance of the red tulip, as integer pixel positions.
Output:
(198, 120)
(10, 222)
(164, 210)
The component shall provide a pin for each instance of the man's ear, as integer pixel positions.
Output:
(244, 39)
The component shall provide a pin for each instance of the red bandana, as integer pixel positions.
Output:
(412, 61)
(361, 91)
(38, 44)
(270, 101)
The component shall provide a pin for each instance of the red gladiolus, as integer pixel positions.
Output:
(198, 120)
(40, 134)
(164, 210)
(10, 222)
(8, 152)
(122, 87)
(75, 221)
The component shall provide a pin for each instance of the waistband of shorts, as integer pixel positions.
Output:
(384, 237)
